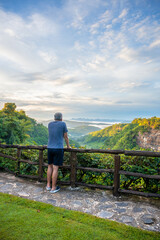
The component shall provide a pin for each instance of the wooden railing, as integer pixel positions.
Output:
(73, 167)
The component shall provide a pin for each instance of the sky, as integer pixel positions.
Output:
(88, 59)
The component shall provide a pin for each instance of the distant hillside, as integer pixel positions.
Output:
(77, 129)
(126, 136)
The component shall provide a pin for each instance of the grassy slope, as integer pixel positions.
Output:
(26, 219)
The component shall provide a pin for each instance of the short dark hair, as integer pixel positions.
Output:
(58, 116)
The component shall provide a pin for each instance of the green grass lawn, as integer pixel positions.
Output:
(25, 219)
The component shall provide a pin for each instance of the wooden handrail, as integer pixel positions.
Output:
(127, 153)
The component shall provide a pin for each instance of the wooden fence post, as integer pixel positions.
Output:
(73, 162)
(40, 169)
(18, 162)
(116, 184)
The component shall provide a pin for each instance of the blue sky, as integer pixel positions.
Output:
(95, 58)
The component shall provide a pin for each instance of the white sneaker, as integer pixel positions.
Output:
(48, 188)
(56, 190)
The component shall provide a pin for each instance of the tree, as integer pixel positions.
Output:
(9, 108)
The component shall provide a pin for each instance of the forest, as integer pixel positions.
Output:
(17, 128)
(120, 136)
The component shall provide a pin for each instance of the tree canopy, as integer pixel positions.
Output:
(16, 127)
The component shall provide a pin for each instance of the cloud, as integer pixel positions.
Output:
(127, 54)
(123, 13)
(123, 102)
(156, 43)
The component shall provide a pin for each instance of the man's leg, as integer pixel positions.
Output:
(49, 174)
(54, 176)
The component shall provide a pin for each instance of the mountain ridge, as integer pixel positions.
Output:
(125, 136)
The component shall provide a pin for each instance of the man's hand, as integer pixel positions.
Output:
(67, 140)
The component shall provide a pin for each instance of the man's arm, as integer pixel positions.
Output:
(66, 139)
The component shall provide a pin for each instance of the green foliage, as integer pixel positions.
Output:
(120, 136)
(144, 165)
(14, 125)
(150, 123)
(9, 108)
(38, 135)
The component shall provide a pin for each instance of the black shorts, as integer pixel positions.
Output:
(55, 156)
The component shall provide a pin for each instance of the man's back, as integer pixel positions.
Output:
(56, 131)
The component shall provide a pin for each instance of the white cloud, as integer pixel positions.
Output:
(156, 43)
(123, 13)
(48, 57)
(128, 55)
(78, 46)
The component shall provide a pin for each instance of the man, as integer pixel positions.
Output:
(57, 131)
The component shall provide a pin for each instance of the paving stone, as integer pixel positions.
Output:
(152, 210)
(120, 210)
(137, 209)
(104, 199)
(62, 206)
(105, 214)
(148, 219)
(88, 201)
(23, 194)
(37, 190)
(122, 204)
(52, 201)
(19, 184)
(7, 187)
(150, 228)
(76, 202)
(127, 219)
(88, 210)
(69, 196)
(105, 206)
(38, 198)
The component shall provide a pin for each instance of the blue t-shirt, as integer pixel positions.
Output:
(56, 131)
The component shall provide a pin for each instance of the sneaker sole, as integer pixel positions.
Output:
(54, 191)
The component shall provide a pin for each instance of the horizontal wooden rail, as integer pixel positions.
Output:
(142, 153)
(100, 170)
(23, 147)
(140, 175)
(77, 150)
(29, 162)
(8, 156)
(94, 185)
(28, 176)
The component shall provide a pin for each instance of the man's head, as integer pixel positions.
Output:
(58, 116)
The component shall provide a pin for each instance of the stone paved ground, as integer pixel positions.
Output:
(135, 211)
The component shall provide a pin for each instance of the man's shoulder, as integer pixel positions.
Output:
(50, 123)
(59, 123)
